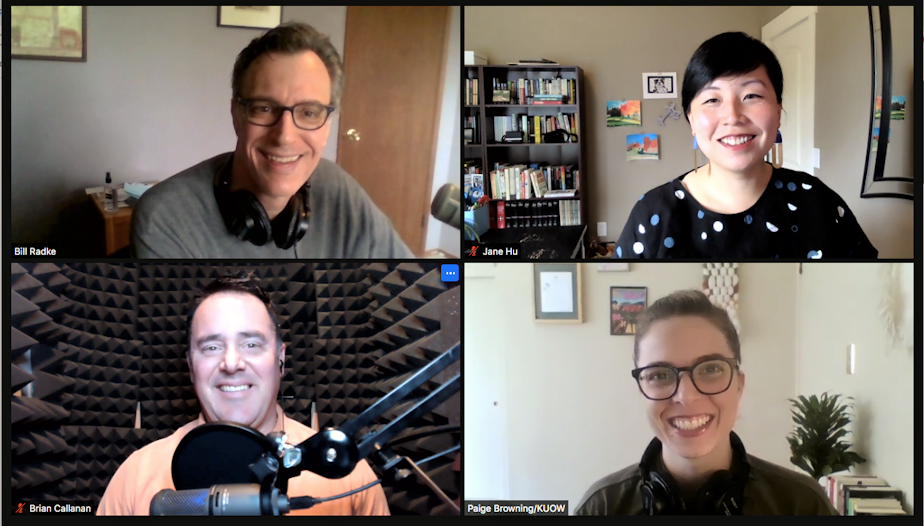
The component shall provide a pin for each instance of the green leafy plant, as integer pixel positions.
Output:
(817, 444)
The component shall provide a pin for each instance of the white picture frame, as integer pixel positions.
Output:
(660, 85)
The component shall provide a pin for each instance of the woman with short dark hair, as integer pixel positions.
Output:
(696, 464)
(738, 205)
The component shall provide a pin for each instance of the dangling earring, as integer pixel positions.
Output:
(776, 151)
(694, 153)
(696, 147)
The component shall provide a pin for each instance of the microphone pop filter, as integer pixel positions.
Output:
(218, 453)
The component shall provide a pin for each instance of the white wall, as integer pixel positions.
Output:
(446, 167)
(839, 305)
(569, 411)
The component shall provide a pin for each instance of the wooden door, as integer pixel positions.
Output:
(394, 60)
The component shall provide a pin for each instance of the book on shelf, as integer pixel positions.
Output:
(882, 506)
(560, 193)
(526, 214)
(471, 123)
(539, 183)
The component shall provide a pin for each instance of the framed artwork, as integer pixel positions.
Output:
(51, 32)
(557, 292)
(251, 17)
(659, 85)
(625, 305)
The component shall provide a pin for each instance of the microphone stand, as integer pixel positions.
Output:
(333, 453)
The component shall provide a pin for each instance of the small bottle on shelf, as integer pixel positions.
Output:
(109, 194)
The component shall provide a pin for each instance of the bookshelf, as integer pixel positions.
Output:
(518, 214)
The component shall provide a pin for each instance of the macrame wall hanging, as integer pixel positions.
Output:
(720, 284)
(896, 307)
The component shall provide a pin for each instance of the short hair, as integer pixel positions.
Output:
(291, 38)
(728, 54)
(687, 303)
(241, 283)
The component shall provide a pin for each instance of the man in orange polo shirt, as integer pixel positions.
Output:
(236, 359)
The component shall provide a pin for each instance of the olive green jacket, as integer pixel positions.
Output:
(771, 490)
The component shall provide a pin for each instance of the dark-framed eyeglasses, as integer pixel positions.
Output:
(308, 116)
(711, 376)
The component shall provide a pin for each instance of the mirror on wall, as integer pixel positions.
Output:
(889, 156)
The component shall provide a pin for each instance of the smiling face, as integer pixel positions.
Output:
(735, 120)
(287, 80)
(690, 425)
(234, 360)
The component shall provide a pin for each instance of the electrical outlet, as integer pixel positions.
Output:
(816, 157)
(601, 229)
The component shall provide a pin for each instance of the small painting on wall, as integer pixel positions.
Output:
(898, 108)
(50, 32)
(623, 113)
(878, 113)
(625, 305)
(642, 147)
(250, 16)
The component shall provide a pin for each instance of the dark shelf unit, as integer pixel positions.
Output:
(490, 152)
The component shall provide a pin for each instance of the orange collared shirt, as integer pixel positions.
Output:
(147, 471)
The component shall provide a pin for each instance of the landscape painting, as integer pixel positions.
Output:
(898, 108)
(623, 113)
(642, 147)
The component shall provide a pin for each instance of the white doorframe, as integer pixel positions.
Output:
(789, 19)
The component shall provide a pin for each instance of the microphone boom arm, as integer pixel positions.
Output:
(333, 453)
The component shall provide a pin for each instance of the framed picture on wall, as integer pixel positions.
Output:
(625, 305)
(557, 292)
(51, 32)
(659, 85)
(251, 17)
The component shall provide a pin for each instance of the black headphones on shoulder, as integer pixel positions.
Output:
(247, 220)
(722, 494)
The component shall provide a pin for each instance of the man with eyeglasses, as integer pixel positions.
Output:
(274, 196)
(687, 358)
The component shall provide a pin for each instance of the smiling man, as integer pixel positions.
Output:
(236, 362)
(274, 196)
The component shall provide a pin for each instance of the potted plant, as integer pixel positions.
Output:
(817, 444)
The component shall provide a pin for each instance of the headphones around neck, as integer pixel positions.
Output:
(722, 494)
(247, 220)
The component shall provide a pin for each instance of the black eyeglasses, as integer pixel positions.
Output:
(711, 376)
(308, 116)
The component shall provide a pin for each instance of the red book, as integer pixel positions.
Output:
(501, 218)
(546, 102)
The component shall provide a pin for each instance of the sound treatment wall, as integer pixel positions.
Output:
(99, 363)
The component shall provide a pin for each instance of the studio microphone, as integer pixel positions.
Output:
(221, 499)
(447, 205)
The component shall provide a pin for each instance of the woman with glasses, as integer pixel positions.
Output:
(687, 366)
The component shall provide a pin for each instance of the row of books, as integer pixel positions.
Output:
(519, 181)
(471, 92)
(863, 495)
(530, 91)
(532, 214)
(528, 124)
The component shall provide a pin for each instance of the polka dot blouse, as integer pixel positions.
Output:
(797, 217)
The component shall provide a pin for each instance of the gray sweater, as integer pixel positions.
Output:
(179, 219)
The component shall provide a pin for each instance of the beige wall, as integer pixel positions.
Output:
(614, 45)
(573, 413)
(839, 305)
(842, 91)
